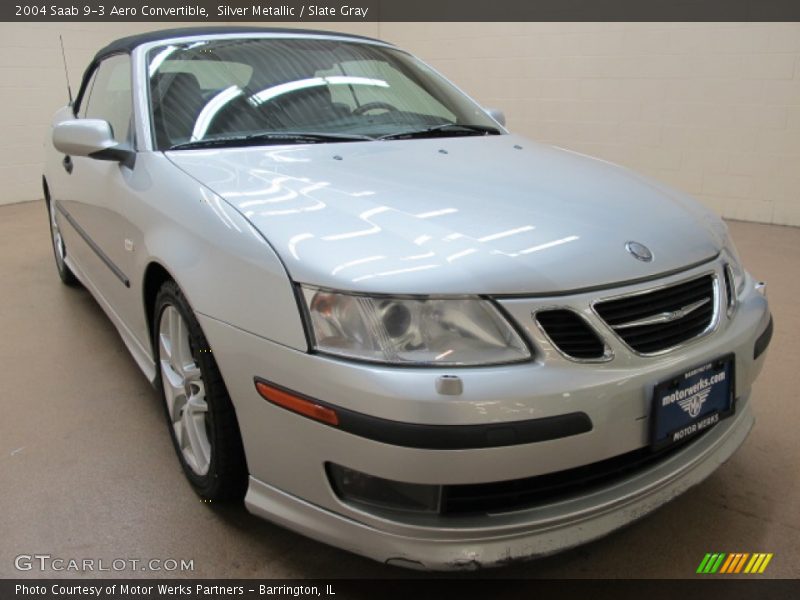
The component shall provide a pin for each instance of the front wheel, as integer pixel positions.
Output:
(201, 418)
(59, 249)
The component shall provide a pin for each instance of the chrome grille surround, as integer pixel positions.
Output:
(607, 354)
(713, 320)
(730, 289)
(522, 309)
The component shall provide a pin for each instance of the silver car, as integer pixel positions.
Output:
(382, 319)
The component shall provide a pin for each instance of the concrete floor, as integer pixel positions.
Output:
(87, 469)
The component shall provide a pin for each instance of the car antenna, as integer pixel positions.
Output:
(66, 72)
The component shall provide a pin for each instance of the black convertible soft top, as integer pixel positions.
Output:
(127, 44)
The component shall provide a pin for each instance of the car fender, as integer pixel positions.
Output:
(224, 266)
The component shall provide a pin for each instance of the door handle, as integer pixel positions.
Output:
(67, 162)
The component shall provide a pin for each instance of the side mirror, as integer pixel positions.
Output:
(497, 114)
(92, 138)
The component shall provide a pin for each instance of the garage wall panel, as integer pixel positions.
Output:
(710, 108)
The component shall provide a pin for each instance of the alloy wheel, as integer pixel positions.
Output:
(184, 391)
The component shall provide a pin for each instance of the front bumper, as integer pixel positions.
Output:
(542, 531)
(286, 453)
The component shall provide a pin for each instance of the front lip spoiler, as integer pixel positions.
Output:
(534, 536)
(451, 437)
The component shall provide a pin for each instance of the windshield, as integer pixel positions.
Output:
(240, 91)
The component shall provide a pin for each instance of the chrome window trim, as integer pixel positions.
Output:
(141, 100)
(712, 324)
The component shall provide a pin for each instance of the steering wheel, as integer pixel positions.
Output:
(377, 105)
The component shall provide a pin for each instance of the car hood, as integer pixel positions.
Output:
(468, 215)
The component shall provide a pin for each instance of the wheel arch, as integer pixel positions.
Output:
(155, 275)
(46, 191)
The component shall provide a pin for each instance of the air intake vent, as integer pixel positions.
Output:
(519, 494)
(662, 319)
(571, 334)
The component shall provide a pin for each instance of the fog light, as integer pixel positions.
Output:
(354, 486)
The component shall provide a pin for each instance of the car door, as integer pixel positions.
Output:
(97, 192)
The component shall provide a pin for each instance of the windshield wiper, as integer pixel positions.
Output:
(272, 137)
(443, 130)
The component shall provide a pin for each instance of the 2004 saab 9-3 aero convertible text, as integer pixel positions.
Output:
(394, 326)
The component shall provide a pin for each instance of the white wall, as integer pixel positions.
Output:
(710, 108)
(713, 109)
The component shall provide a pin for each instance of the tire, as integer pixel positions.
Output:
(59, 249)
(201, 418)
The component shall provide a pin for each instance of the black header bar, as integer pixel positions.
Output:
(321, 11)
(458, 585)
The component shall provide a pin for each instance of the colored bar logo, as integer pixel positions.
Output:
(734, 562)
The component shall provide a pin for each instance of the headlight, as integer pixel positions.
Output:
(421, 331)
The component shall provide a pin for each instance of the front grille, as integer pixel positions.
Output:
(664, 318)
(518, 494)
(570, 334)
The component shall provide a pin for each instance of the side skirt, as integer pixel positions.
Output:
(140, 354)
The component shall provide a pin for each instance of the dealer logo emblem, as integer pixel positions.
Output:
(694, 403)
